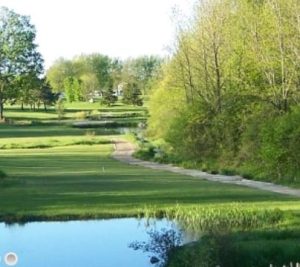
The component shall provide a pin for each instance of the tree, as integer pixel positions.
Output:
(18, 53)
(142, 71)
(72, 88)
(100, 65)
(58, 72)
(46, 96)
(109, 97)
(77, 89)
(89, 84)
(68, 88)
(132, 94)
(29, 86)
(234, 71)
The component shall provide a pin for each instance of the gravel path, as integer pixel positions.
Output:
(124, 150)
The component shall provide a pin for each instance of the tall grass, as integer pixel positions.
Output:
(219, 218)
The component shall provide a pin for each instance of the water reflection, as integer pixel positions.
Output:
(78, 243)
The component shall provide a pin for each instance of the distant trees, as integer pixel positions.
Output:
(19, 59)
(99, 73)
(34, 91)
(234, 72)
(142, 71)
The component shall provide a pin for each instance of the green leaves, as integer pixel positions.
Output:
(18, 54)
(234, 73)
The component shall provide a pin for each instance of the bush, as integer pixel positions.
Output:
(279, 154)
(235, 250)
(227, 171)
(145, 153)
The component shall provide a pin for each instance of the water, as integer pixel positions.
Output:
(99, 243)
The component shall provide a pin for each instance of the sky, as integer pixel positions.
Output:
(117, 28)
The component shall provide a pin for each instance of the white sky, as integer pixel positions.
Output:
(118, 28)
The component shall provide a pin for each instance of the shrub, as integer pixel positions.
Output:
(279, 154)
(146, 153)
(227, 171)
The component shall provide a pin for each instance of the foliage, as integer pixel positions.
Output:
(72, 89)
(229, 101)
(46, 96)
(109, 97)
(58, 72)
(254, 248)
(132, 94)
(143, 71)
(100, 74)
(18, 54)
(161, 244)
(280, 146)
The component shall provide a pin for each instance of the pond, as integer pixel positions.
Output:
(78, 243)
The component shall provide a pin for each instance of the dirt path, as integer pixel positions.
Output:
(124, 150)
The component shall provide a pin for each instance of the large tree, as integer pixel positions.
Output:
(58, 72)
(142, 71)
(18, 53)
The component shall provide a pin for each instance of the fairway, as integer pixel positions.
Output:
(83, 181)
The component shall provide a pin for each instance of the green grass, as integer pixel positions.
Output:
(84, 181)
(71, 111)
(13, 131)
(46, 142)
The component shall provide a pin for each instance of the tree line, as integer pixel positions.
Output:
(229, 96)
(83, 76)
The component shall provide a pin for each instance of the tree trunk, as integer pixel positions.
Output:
(45, 106)
(1, 110)
(22, 105)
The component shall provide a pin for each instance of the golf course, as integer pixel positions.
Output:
(126, 141)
